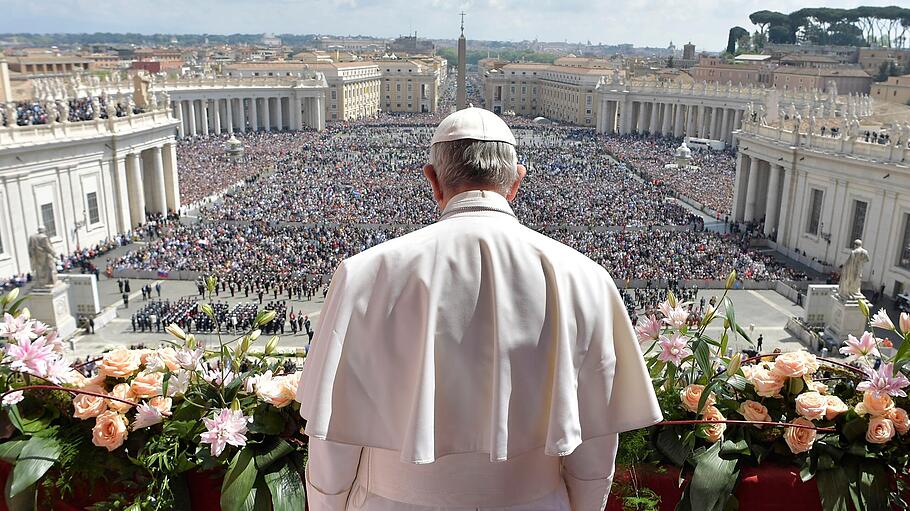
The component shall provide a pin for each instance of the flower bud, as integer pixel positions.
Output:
(863, 307)
(175, 330)
(734, 364)
(191, 341)
(235, 405)
(255, 334)
(271, 345)
(731, 280)
(11, 296)
(211, 282)
(905, 323)
(208, 311)
(25, 313)
(671, 299)
(264, 317)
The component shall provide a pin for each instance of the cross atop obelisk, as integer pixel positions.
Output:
(461, 93)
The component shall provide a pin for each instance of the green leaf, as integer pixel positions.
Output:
(258, 499)
(272, 452)
(741, 446)
(855, 429)
(286, 488)
(25, 501)
(713, 480)
(874, 484)
(37, 456)
(238, 481)
(833, 489)
(706, 393)
(669, 444)
(9, 450)
(703, 357)
(903, 353)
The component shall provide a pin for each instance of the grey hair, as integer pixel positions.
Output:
(475, 162)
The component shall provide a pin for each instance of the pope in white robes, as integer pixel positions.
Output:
(474, 363)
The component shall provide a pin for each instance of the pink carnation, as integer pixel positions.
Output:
(227, 428)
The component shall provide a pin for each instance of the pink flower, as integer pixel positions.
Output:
(881, 320)
(227, 428)
(17, 329)
(673, 349)
(60, 372)
(31, 356)
(189, 359)
(674, 316)
(856, 349)
(13, 398)
(648, 329)
(884, 382)
(147, 415)
(904, 322)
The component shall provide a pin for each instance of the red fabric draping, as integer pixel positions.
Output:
(766, 488)
(205, 489)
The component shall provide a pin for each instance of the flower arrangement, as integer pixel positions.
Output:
(842, 422)
(148, 417)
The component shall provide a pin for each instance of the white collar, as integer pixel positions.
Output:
(477, 200)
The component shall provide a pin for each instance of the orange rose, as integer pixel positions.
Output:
(147, 385)
(795, 364)
(819, 387)
(800, 439)
(767, 383)
(162, 404)
(691, 395)
(881, 430)
(86, 406)
(110, 430)
(877, 406)
(811, 405)
(899, 417)
(714, 432)
(835, 407)
(120, 363)
(121, 391)
(754, 411)
(169, 357)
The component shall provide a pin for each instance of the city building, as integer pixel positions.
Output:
(871, 59)
(846, 79)
(409, 86)
(757, 72)
(688, 51)
(895, 90)
(83, 181)
(411, 45)
(6, 89)
(42, 65)
(815, 195)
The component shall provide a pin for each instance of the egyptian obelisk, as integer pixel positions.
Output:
(461, 94)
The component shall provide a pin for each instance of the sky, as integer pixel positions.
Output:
(639, 22)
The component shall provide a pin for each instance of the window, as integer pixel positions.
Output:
(398, 87)
(858, 222)
(91, 200)
(47, 218)
(815, 211)
(334, 94)
(904, 260)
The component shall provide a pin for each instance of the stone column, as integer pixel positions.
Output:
(739, 184)
(725, 123)
(652, 125)
(254, 114)
(772, 204)
(241, 114)
(320, 113)
(266, 114)
(136, 189)
(171, 178)
(181, 129)
(229, 113)
(679, 114)
(204, 121)
(159, 194)
(751, 190)
(122, 193)
(191, 117)
(216, 112)
(641, 118)
(279, 115)
(691, 117)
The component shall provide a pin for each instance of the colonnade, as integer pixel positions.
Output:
(145, 181)
(670, 118)
(204, 116)
(758, 192)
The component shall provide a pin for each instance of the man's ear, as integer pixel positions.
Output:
(513, 191)
(430, 174)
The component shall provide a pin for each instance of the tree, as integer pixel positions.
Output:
(735, 34)
(780, 34)
(888, 68)
(767, 19)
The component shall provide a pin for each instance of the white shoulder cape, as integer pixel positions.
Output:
(474, 334)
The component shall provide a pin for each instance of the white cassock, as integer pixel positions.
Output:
(472, 364)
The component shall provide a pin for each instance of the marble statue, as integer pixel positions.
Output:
(96, 110)
(851, 275)
(42, 257)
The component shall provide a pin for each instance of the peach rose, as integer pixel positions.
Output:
(800, 439)
(169, 357)
(98, 380)
(110, 430)
(714, 432)
(277, 391)
(120, 363)
(835, 407)
(691, 395)
(877, 406)
(86, 406)
(147, 385)
(144, 355)
(795, 364)
(811, 405)
(754, 411)
(121, 391)
(162, 404)
(819, 387)
(881, 430)
(767, 383)
(900, 419)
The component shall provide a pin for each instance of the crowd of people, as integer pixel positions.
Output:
(707, 180)
(35, 112)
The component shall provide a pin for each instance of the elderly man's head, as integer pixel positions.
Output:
(473, 149)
